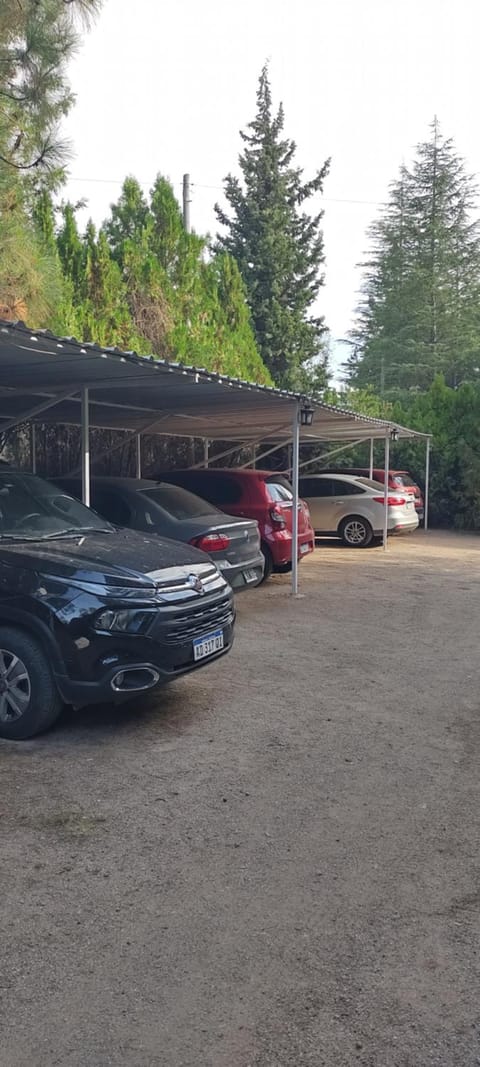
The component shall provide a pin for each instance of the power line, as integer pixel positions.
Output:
(220, 189)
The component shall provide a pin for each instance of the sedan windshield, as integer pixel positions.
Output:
(31, 510)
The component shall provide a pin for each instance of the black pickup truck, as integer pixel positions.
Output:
(91, 614)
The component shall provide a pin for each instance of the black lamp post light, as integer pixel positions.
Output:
(306, 415)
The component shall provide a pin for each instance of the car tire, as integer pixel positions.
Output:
(355, 532)
(267, 555)
(29, 699)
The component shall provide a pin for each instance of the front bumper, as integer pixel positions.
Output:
(92, 658)
(81, 692)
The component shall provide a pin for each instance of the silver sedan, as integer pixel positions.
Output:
(353, 508)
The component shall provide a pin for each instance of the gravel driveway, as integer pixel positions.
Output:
(275, 864)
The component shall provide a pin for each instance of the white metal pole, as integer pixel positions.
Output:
(427, 483)
(295, 468)
(138, 456)
(206, 445)
(371, 458)
(85, 449)
(33, 448)
(385, 495)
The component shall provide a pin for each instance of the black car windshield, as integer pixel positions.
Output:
(31, 509)
(179, 503)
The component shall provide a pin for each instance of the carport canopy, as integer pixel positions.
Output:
(59, 380)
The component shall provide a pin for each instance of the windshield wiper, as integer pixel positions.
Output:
(19, 537)
(79, 531)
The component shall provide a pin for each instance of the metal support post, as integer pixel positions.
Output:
(295, 467)
(206, 446)
(371, 459)
(327, 455)
(386, 490)
(262, 455)
(33, 448)
(138, 456)
(150, 427)
(268, 436)
(85, 449)
(427, 483)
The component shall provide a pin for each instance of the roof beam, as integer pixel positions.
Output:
(37, 410)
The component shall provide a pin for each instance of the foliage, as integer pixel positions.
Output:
(277, 246)
(187, 306)
(452, 416)
(363, 401)
(420, 306)
(37, 40)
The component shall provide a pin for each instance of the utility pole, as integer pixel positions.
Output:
(186, 202)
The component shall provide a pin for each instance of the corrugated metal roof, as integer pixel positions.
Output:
(135, 393)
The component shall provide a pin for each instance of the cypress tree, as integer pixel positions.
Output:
(277, 245)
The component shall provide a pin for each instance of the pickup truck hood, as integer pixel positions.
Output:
(123, 555)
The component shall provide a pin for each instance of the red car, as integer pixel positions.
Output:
(261, 495)
(396, 480)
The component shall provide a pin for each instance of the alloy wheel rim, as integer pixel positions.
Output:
(15, 688)
(355, 532)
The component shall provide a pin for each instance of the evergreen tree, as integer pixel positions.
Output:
(419, 313)
(37, 40)
(188, 308)
(277, 245)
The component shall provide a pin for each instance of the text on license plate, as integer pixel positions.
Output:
(304, 548)
(206, 646)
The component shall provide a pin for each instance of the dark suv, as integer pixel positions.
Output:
(92, 614)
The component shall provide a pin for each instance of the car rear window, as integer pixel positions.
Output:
(403, 480)
(180, 503)
(279, 489)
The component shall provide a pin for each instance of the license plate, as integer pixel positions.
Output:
(206, 646)
(304, 549)
(250, 576)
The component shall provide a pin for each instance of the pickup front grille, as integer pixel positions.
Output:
(185, 627)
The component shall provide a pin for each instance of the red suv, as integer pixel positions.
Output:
(261, 495)
(396, 480)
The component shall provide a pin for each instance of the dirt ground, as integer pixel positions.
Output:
(274, 864)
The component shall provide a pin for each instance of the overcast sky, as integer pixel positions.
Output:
(165, 87)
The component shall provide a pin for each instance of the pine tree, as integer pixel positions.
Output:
(36, 42)
(419, 313)
(277, 245)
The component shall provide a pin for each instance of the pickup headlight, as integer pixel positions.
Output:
(125, 621)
